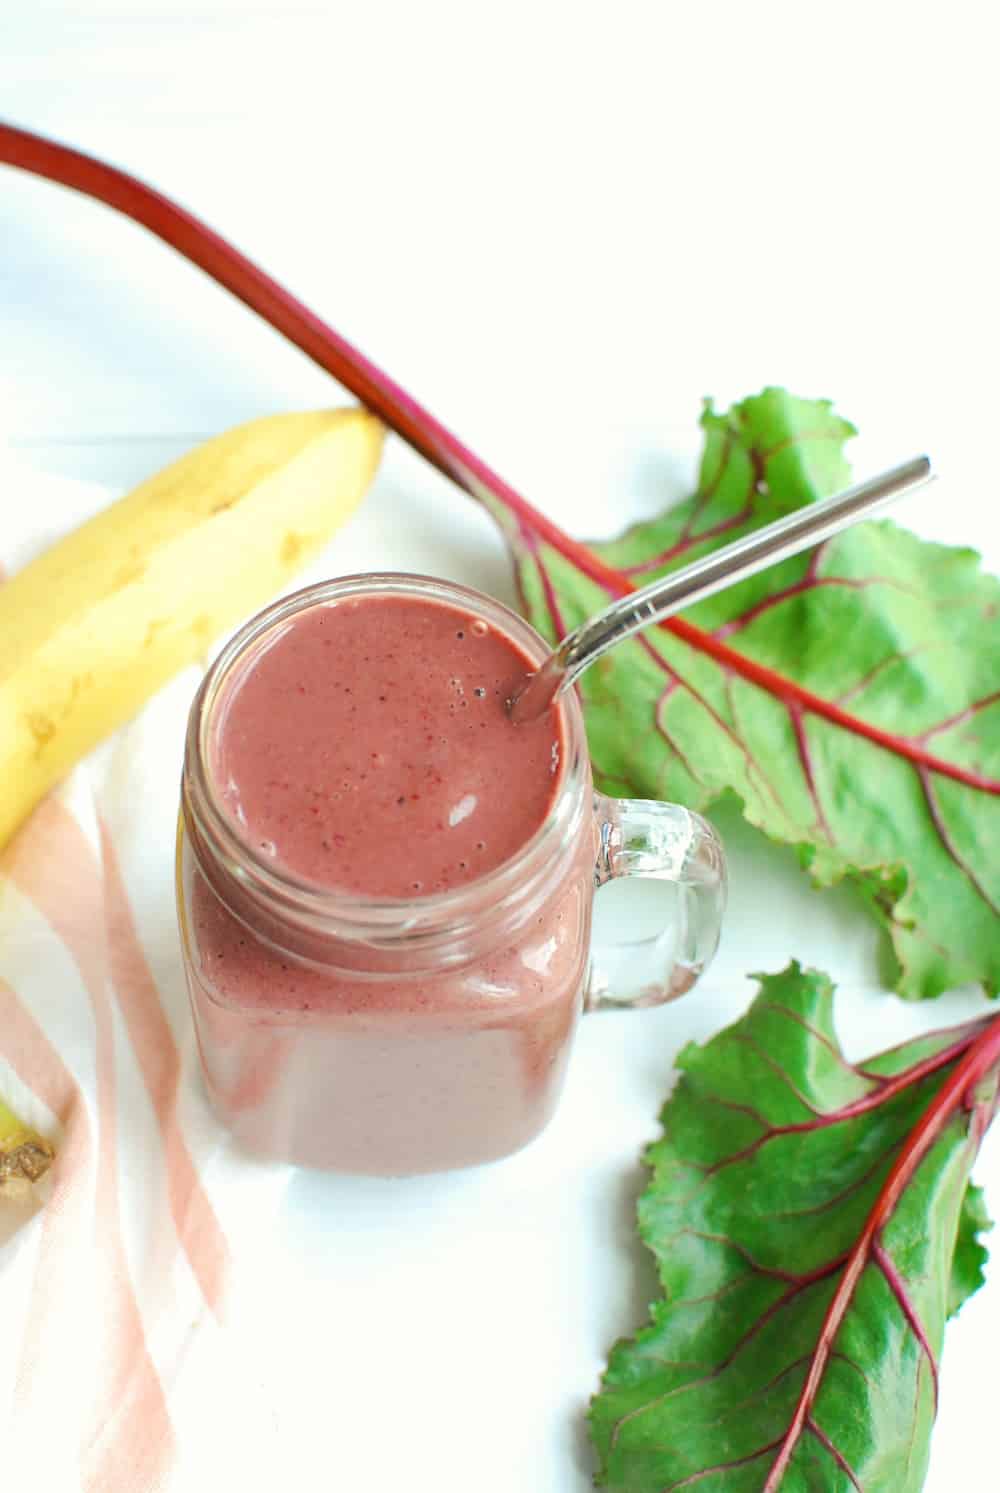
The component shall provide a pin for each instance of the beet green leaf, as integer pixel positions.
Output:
(813, 1227)
(849, 698)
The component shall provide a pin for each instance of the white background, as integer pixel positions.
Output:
(560, 226)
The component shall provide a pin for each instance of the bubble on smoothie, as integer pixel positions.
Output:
(479, 628)
(268, 847)
(462, 809)
(479, 692)
(554, 758)
(457, 686)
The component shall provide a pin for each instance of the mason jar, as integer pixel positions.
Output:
(398, 1035)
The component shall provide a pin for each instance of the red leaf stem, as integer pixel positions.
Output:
(225, 264)
(885, 1089)
(981, 1057)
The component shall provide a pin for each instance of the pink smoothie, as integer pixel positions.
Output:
(370, 749)
(366, 748)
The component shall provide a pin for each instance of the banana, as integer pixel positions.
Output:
(25, 1156)
(96, 624)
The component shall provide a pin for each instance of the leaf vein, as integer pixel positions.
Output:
(835, 1453)
(894, 1280)
(945, 836)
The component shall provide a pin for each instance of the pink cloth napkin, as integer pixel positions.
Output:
(115, 1368)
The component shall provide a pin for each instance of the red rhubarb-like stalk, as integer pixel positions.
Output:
(403, 414)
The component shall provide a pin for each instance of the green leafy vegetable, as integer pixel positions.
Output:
(813, 1228)
(849, 698)
(849, 701)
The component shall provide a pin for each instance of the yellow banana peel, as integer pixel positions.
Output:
(95, 625)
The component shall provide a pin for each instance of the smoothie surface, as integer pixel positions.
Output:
(367, 747)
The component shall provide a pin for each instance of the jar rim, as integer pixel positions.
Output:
(351, 914)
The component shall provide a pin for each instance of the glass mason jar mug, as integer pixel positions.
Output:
(398, 1035)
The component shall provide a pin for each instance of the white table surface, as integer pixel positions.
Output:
(560, 226)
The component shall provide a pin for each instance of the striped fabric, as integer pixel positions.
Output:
(116, 1371)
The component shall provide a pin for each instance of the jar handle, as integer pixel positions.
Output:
(664, 842)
